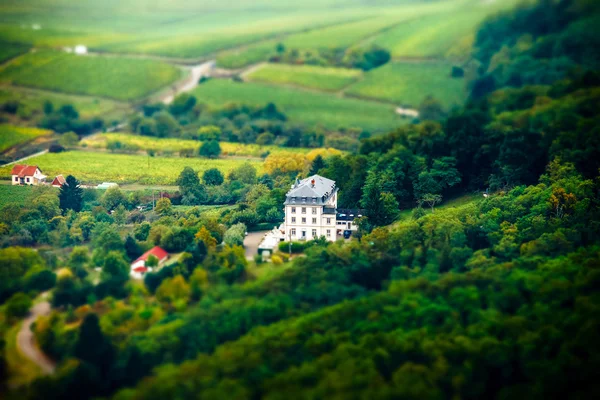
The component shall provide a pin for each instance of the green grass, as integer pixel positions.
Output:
(9, 50)
(309, 76)
(455, 202)
(13, 135)
(114, 77)
(99, 141)
(31, 103)
(18, 195)
(244, 56)
(409, 83)
(302, 106)
(91, 167)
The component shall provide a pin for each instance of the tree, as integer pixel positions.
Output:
(280, 48)
(431, 199)
(381, 208)
(70, 195)
(173, 290)
(68, 139)
(431, 110)
(163, 206)
(151, 261)
(213, 177)
(209, 132)
(132, 248)
(317, 165)
(234, 236)
(245, 173)
(18, 305)
(112, 198)
(120, 214)
(93, 346)
(165, 124)
(210, 149)
(79, 256)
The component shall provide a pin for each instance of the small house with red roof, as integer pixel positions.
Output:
(27, 175)
(58, 181)
(139, 268)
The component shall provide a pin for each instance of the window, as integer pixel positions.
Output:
(27, 179)
(293, 199)
(304, 199)
(293, 231)
(303, 210)
(314, 210)
(303, 220)
(314, 221)
(328, 232)
(314, 233)
(314, 200)
(16, 179)
(293, 210)
(328, 221)
(293, 220)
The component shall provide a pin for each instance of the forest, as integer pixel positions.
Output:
(495, 298)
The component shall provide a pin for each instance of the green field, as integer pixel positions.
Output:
(99, 141)
(310, 76)
(31, 101)
(91, 167)
(247, 55)
(18, 195)
(13, 135)
(409, 83)
(302, 106)
(113, 77)
(8, 51)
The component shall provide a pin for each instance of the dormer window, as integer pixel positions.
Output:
(293, 199)
(304, 199)
(314, 200)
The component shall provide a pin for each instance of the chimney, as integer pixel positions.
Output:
(312, 183)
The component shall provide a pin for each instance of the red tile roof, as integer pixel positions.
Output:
(59, 180)
(24, 170)
(156, 252)
(140, 270)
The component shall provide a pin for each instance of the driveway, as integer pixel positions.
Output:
(251, 243)
(26, 341)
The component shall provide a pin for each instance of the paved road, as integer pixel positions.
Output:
(26, 341)
(251, 243)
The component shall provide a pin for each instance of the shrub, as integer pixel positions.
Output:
(18, 305)
(56, 148)
(276, 260)
(297, 247)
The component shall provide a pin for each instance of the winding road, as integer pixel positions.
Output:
(26, 341)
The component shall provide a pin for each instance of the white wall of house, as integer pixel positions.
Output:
(306, 222)
(36, 179)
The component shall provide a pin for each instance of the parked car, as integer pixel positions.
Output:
(347, 234)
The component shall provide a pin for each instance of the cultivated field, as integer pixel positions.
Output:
(31, 101)
(13, 135)
(328, 79)
(247, 55)
(303, 106)
(100, 141)
(114, 77)
(409, 83)
(8, 51)
(17, 195)
(91, 167)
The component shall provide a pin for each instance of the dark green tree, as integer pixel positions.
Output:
(317, 165)
(70, 195)
(210, 149)
(92, 346)
(213, 177)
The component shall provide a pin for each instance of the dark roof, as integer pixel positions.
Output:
(313, 187)
(348, 214)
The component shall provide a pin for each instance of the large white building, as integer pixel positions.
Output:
(311, 211)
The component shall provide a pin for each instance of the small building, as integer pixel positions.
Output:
(58, 181)
(138, 267)
(27, 175)
(107, 185)
(80, 49)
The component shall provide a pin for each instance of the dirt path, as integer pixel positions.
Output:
(26, 158)
(26, 341)
(190, 82)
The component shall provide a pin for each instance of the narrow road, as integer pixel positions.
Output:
(251, 243)
(196, 72)
(26, 341)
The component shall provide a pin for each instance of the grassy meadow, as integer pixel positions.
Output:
(18, 195)
(14, 135)
(241, 57)
(301, 106)
(409, 83)
(113, 77)
(310, 76)
(92, 167)
(100, 141)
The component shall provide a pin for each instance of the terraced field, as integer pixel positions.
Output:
(32, 101)
(409, 83)
(91, 167)
(328, 79)
(100, 141)
(113, 77)
(14, 135)
(302, 106)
